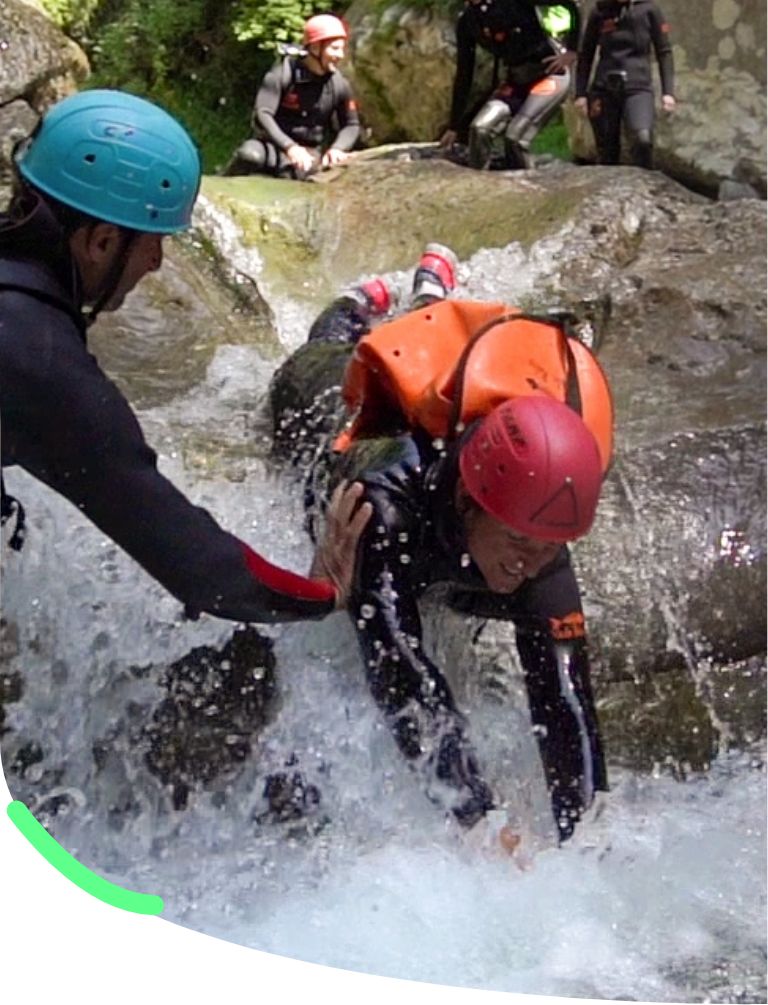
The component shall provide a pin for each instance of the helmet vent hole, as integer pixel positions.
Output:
(533, 383)
(165, 183)
(90, 158)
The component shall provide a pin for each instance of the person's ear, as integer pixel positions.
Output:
(98, 242)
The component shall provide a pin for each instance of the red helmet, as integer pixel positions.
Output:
(323, 28)
(534, 465)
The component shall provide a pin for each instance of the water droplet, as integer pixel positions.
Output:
(465, 560)
(367, 611)
(405, 559)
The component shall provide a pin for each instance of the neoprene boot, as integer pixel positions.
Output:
(374, 295)
(435, 276)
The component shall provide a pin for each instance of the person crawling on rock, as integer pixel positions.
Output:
(533, 82)
(304, 117)
(623, 32)
(482, 436)
(100, 183)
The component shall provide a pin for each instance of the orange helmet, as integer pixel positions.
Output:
(323, 28)
(533, 464)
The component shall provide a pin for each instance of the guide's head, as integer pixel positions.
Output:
(118, 173)
(117, 158)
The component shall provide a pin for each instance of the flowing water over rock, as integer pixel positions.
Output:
(307, 835)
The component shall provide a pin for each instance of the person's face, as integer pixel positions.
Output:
(96, 249)
(505, 558)
(331, 54)
(145, 255)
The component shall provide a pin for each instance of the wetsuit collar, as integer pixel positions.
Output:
(440, 484)
(35, 255)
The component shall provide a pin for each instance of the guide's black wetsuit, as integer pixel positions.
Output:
(67, 424)
(622, 88)
(526, 94)
(414, 540)
(296, 106)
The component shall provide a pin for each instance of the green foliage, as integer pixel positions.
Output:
(269, 22)
(219, 122)
(72, 16)
(148, 43)
(556, 20)
(203, 59)
(440, 6)
(553, 139)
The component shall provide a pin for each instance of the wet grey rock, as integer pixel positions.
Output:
(40, 64)
(216, 702)
(730, 189)
(17, 120)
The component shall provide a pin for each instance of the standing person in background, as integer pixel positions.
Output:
(101, 182)
(304, 117)
(535, 81)
(622, 89)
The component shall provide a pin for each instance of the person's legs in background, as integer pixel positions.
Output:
(639, 115)
(542, 100)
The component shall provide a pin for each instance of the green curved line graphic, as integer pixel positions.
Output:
(80, 875)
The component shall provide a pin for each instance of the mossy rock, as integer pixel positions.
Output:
(376, 215)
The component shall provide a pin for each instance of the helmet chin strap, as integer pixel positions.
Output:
(114, 274)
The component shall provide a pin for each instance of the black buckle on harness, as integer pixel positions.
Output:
(616, 81)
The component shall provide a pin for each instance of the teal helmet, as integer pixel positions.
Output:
(115, 157)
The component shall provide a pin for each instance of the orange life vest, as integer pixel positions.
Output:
(444, 365)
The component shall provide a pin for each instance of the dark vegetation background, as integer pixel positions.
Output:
(203, 59)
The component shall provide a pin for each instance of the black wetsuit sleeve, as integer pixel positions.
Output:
(551, 641)
(347, 118)
(67, 424)
(587, 51)
(266, 105)
(410, 690)
(465, 70)
(663, 49)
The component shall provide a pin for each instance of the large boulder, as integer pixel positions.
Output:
(40, 66)
(715, 141)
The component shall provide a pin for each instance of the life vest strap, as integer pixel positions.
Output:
(563, 323)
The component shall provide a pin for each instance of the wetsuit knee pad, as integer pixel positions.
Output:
(520, 131)
(491, 120)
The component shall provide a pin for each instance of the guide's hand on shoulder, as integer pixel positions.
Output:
(580, 104)
(335, 554)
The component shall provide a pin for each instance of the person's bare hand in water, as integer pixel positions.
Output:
(336, 552)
